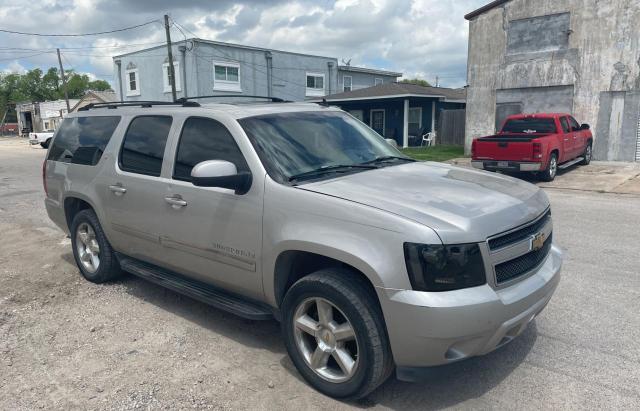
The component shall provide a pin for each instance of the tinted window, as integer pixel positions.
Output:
(574, 124)
(565, 124)
(143, 145)
(205, 139)
(81, 140)
(530, 125)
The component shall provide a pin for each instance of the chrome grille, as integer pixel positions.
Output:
(512, 237)
(512, 269)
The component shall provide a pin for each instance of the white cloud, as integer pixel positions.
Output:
(424, 38)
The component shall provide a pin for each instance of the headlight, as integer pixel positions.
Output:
(437, 267)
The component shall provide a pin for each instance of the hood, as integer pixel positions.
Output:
(461, 205)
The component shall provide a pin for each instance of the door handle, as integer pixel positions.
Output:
(117, 189)
(176, 202)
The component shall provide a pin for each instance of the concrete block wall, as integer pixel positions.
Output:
(601, 54)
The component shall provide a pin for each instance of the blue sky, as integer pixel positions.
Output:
(421, 38)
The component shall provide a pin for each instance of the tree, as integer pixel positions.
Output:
(417, 81)
(34, 85)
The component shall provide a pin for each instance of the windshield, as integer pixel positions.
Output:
(299, 143)
(530, 126)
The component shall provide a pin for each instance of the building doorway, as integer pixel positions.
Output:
(377, 121)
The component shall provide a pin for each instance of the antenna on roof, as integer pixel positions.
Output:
(346, 62)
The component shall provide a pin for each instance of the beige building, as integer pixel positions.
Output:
(576, 56)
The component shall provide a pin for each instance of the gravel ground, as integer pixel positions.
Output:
(66, 343)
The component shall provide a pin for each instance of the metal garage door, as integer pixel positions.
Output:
(554, 99)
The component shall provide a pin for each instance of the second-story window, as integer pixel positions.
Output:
(166, 75)
(346, 83)
(133, 82)
(315, 84)
(226, 76)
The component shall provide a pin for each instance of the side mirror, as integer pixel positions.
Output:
(220, 173)
(585, 126)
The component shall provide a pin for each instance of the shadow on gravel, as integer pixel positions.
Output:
(257, 334)
(455, 383)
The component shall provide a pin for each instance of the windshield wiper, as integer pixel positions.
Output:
(388, 158)
(335, 168)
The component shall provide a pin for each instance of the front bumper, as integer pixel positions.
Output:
(434, 328)
(33, 141)
(506, 165)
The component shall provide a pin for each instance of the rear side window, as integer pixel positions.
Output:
(530, 125)
(82, 140)
(143, 145)
(205, 139)
(565, 124)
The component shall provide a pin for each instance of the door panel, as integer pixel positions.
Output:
(566, 140)
(212, 234)
(132, 191)
(579, 137)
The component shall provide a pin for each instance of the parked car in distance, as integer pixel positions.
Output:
(539, 143)
(372, 261)
(42, 137)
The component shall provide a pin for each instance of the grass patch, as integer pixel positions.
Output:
(435, 153)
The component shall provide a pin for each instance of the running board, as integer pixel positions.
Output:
(570, 163)
(198, 290)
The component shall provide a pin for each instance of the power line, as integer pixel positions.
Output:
(80, 35)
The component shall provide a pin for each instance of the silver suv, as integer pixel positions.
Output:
(371, 261)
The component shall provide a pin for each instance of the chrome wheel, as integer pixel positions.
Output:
(326, 339)
(87, 247)
(553, 166)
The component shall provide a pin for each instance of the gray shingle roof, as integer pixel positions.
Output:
(389, 90)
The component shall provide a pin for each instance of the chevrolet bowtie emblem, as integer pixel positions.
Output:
(538, 241)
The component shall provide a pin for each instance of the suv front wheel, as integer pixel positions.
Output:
(93, 254)
(335, 334)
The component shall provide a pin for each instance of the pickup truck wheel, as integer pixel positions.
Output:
(550, 173)
(587, 155)
(335, 335)
(45, 144)
(91, 250)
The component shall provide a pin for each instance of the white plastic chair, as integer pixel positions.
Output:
(428, 139)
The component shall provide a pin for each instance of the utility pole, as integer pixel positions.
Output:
(172, 72)
(437, 80)
(64, 81)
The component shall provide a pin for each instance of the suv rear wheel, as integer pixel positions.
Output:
(93, 254)
(45, 144)
(335, 335)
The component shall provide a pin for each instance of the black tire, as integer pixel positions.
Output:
(108, 268)
(552, 168)
(46, 143)
(588, 153)
(355, 299)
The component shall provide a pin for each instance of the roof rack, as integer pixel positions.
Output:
(273, 99)
(144, 103)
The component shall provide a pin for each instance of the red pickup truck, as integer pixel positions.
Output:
(539, 143)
